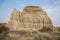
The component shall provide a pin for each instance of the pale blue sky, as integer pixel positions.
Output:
(52, 7)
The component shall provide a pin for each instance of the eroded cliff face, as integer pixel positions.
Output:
(32, 17)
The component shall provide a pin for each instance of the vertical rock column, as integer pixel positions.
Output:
(14, 20)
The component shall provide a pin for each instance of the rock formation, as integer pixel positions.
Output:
(32, 17)
(32, 23)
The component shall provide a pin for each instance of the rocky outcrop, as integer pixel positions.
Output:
(32, 17)
(32, 23)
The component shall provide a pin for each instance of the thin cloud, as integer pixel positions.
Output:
(54, 13)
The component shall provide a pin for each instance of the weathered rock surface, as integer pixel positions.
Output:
(32, 17)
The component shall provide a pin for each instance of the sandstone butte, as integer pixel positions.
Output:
(32, 23)
(32, 18)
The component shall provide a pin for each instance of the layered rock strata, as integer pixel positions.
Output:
(32, 17)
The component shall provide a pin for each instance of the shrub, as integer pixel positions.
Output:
(3, 29)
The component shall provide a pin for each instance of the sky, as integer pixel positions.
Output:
(52, 7)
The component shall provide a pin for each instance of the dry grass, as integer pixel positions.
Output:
(28, 35)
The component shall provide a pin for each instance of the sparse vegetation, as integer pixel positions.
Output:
(3, 29)
(58, 28)
(45, 30)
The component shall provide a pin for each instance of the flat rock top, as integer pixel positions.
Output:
(32, 8)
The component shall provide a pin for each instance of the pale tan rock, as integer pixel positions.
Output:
(32, 17)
